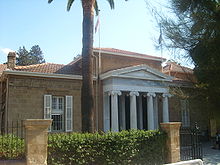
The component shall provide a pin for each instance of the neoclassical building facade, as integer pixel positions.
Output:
(131, 98)
(131, 92)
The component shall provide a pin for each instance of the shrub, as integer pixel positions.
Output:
(125, 147)
(11, 147)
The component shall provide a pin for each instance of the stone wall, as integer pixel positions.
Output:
(26, 97)
(111, 62)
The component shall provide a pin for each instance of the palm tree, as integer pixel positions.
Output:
(87, 94)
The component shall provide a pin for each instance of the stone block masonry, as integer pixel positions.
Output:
(173, 141)
(36, 140)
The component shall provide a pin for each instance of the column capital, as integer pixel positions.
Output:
(114, 93)
(134, 93)
(151, 94)
(166, 95)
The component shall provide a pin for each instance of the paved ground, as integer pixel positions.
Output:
(210, 156)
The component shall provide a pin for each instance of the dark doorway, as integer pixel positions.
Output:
(127, 112)
(144, 105)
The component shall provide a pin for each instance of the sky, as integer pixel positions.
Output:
(130, 26)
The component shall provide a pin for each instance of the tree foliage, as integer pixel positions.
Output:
(196, 30)
(34, 56)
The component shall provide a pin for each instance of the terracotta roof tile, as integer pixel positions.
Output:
(113, 50)
(49, 68)
(73, 67)
(174, 67)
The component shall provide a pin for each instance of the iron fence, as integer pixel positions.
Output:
(12, 141)
(190, 144)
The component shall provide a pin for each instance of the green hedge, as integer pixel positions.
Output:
(126, 147)
(11, 147)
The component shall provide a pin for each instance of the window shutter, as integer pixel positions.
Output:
(69, 113)
(47, 107)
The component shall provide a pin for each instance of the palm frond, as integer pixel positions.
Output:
(69, 4)
(96, 8)
(49, 1)
(111, 3)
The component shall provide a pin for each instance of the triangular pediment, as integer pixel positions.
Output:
(137, 72)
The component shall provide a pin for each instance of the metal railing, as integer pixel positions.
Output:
(190, 145)
(12, 141)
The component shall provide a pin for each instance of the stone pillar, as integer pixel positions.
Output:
(36, 136)
(114, 110)
(173, 141)
(150, 111)
(133, 109)
(106, 112)
(140, 112)
(123, 120)
(155, 113)
(165, 107)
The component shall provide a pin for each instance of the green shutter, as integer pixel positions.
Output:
(69, 113)
(47, 107)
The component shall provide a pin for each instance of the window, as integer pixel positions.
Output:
(185, 117)
(59, 109)
(57, 113)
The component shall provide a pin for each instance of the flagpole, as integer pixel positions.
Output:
(160, 42)
(161, 45)
(99, 57)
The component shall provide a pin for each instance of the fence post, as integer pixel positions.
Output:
(173, 141)
(36, 138)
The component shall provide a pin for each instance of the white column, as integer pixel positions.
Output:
(150, 111)
(133, 110)
(140, 112)
(165, 107)
(114, 110)
(106, 112)
(156, 113)
(123, 121)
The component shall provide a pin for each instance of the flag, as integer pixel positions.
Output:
(97, 25)
(160, 37)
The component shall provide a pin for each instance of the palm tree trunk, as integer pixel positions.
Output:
(87, 93)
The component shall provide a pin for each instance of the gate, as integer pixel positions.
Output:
(190, 145)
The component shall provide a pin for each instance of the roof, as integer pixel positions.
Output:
(74, 67)
(125, 52)
(49, 68)
(174, 67)
(44, 67)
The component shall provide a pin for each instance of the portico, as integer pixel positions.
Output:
(131, 98)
